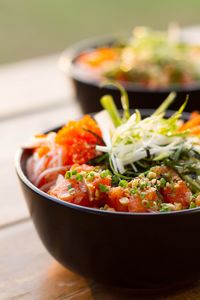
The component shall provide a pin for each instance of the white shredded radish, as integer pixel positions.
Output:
(106, 125)
(45, 166)
(137, 139)
(46, 187)
(59, 179)
(48, 172)
(38, 163)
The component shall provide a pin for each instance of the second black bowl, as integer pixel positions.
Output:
(88, 90)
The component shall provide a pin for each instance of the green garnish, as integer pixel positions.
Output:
(164, 207)
(143, 195)
(103, 188)
(90, 176)
(79, 177)
(124, 102)
(108, 103)
(98, 159)
(143, 185)
(193, 184)
(74, 172)
(115, 179)
(69, 187)
(68, 175)
(105, 173)
(192, 205)
(167, 102)
(134, 191)
(162, 182)
(123, 183)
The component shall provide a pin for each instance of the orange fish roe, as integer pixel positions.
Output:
(79, 139)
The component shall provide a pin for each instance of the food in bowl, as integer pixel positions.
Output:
(151, 59)
(121, 162)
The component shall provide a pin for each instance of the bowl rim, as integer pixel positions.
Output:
(22, 176)
(67, 66)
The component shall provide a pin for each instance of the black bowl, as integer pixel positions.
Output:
(88, 90)
(134, 250)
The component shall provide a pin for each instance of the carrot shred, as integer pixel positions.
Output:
(191, 123)
(194, 114)
(195, 130)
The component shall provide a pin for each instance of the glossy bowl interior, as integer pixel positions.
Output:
(88, 90)
(144, 251)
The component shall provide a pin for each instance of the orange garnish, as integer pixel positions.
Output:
(193, 122)
(40, 135)
(42, 151)
(98, 56)
(195, 130)
(194, 114)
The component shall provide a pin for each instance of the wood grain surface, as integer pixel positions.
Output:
(31, 85)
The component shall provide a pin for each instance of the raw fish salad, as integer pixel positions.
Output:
(150, 59)
(121, 162)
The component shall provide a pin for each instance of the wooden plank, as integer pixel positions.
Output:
(14, 133)
(32, 84)
(28, 272)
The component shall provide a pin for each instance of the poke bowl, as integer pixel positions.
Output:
(149, 64)
(135, 231)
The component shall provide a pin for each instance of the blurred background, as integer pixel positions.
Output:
(34, 27)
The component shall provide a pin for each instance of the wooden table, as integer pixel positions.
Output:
(33, 97)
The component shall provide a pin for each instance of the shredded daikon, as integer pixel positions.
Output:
(137, 139)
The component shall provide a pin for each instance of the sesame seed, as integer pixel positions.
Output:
(124, 201)
(151, 175)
